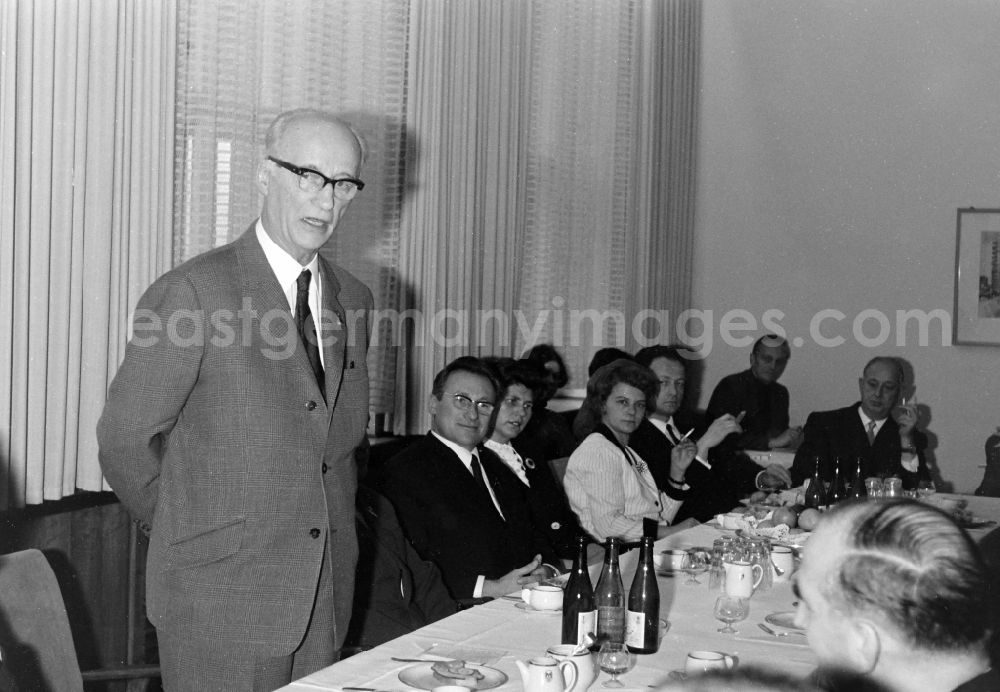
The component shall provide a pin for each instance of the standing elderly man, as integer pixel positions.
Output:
(231, 426)
(460, 505)
(896, 594)
(757, 395)
(874, 431)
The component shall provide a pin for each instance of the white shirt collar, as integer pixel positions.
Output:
(287, 269)
(464, 454)
(865, 420)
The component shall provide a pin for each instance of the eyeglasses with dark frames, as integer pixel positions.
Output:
(464, 403)
(313, 181)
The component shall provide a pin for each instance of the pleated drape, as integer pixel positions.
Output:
(86, 141)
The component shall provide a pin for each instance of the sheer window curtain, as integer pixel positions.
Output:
(86, 141)
(555, 181)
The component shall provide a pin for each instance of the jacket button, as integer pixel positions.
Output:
(310, 405)
(314, 533)
(325, 467)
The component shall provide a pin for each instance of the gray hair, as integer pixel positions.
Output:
(280, 124)
(911, 564)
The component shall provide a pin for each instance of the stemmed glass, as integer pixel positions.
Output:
(695, 563)
(730, 609)
(614, 658)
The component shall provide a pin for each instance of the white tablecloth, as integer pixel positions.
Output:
(515, 634)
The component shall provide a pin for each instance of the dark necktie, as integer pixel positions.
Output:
(672, 435)
(307, 328)
(477, 473)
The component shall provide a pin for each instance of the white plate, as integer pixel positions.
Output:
(422, 676)
(785, 619)
(531, 609)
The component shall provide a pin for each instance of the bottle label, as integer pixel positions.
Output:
(611, 623)
(586, 622)
(635, 630)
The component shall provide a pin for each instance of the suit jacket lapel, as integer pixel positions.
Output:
(335, 333)
(457, 475)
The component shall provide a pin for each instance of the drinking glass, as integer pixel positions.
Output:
(925, 489)
(730, 610)
(695, 563)
(614, 658)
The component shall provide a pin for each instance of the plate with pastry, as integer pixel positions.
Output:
(427, 676)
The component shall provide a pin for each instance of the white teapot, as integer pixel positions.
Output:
(546, 674)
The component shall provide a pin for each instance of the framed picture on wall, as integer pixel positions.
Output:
(976, 319)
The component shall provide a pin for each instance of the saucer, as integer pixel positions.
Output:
(528, 608)
(422, 677)
(784, 619)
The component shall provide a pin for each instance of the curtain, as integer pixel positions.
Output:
(554, 186)
(86, 141)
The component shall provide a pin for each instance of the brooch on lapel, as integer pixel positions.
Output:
(529, 463)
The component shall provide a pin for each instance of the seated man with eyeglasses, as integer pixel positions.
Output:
(461, 507)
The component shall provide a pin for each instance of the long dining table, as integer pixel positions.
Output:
(500, 632)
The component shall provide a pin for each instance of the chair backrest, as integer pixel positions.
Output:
(558, 468)
(37, 642)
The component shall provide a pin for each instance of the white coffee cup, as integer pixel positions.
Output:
(742, 578)
(543, 597)
(783, 560)
(703, 661)
(674, 559)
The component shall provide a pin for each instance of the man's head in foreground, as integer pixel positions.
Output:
(898, 593)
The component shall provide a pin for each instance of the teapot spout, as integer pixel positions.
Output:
(524, 673)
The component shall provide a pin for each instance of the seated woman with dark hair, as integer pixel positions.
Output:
(547, 435)
(608, 484)
(522, 384)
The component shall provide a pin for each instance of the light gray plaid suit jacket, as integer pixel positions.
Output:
(216, 435)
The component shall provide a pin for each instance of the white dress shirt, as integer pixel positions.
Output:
(909, 461)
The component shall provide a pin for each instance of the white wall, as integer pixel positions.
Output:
(838, 138)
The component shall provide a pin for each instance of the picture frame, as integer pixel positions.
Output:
(976, 318)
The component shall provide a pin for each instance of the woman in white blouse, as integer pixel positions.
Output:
(608, 484)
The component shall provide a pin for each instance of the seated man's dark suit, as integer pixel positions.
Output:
(766, 407)
(733, 475)
(395, 590)
(452, 521)
(840, 433)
